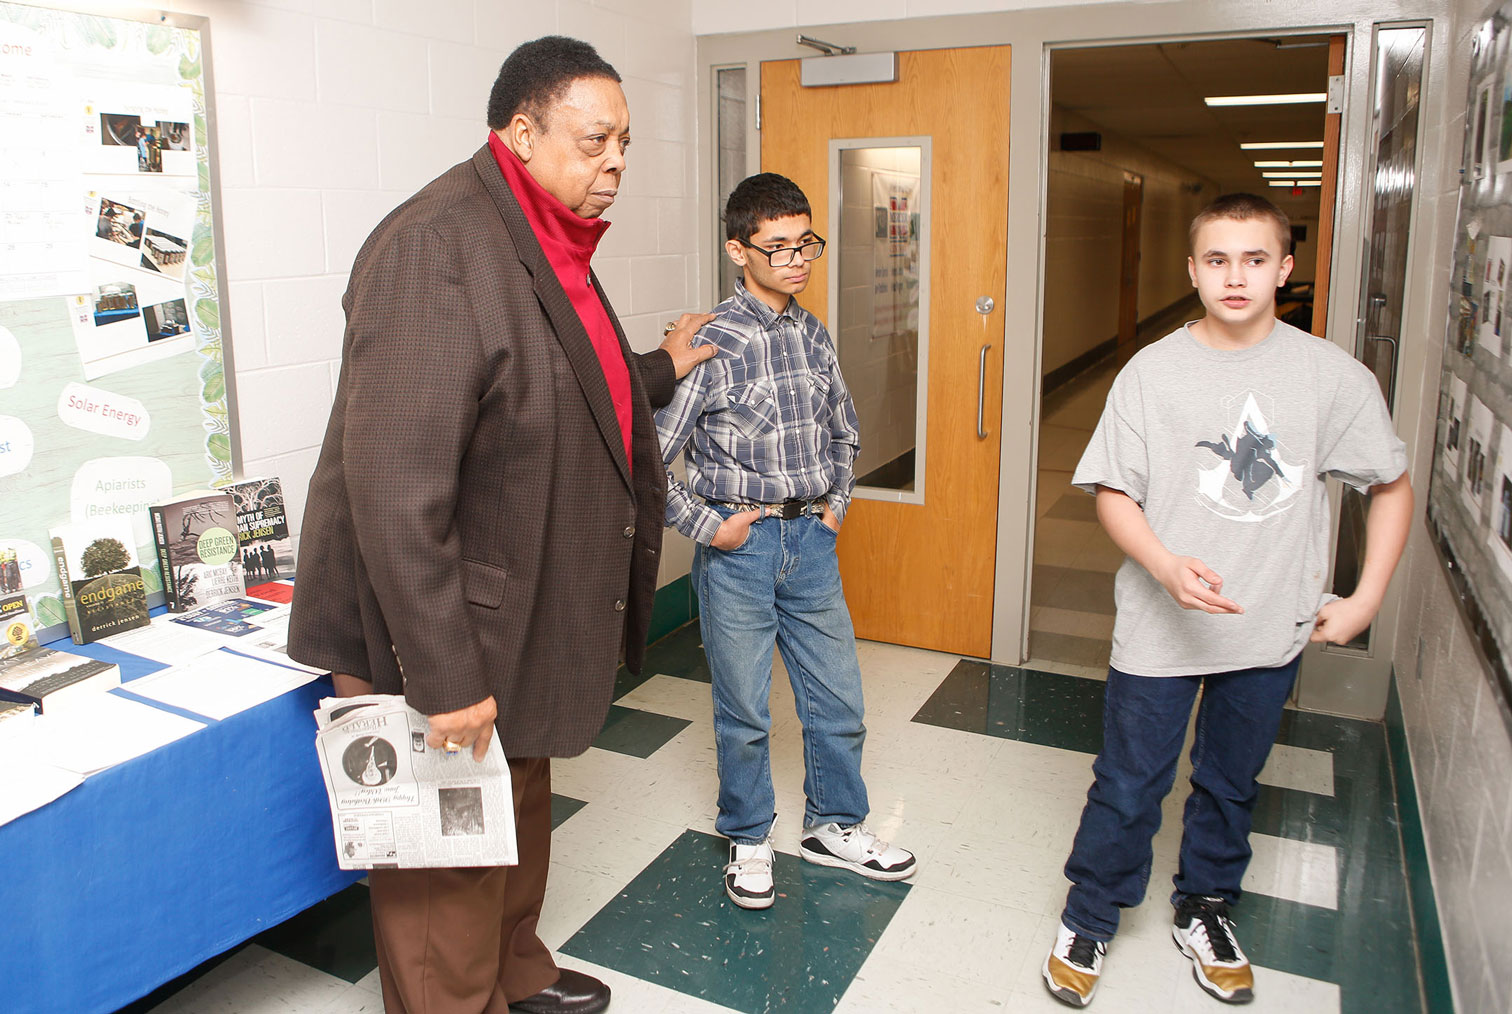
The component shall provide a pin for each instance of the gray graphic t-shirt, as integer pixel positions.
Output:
(1227, 453)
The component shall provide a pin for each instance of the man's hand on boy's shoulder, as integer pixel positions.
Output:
(1194, 585)
(678, 343)
(1341, 620)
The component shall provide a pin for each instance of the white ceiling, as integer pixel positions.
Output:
(1152, 95)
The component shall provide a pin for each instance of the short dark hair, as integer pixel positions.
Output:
(762, 198)
(1242, 208)
(538, 73)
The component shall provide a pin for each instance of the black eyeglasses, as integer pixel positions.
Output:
(783, 256)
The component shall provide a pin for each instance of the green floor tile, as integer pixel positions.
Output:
(563, 807)
(680, 653)
(335, 936)
(673, 925)
(1300, 816)
(637, 733)
(1012, 703)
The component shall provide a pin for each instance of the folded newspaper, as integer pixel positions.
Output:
(397, 802)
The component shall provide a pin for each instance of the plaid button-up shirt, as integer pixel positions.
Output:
(768, 419)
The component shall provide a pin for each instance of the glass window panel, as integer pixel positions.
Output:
(1398, 81)
(730, 112)
(879, 293)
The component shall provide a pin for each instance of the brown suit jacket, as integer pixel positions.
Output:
(473, 527)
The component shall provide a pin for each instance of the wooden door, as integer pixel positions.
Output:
(1327, 197)
(921, 573)
(1128, 280)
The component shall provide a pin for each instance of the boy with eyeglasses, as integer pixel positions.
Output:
(771, 438)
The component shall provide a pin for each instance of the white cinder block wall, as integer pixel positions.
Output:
(1460, 743)
(331, 112)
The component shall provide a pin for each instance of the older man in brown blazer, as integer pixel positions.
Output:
(484, 525)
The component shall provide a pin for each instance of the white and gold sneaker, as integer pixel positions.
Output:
(1205, 933)
(1073, 967)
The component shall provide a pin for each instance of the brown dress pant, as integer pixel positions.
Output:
(463, 941)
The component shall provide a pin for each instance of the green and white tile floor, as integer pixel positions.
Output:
(982, 771)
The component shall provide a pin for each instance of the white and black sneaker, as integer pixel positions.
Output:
(1073, 967)
(748, 874)
(1205, 933)
(856, 849)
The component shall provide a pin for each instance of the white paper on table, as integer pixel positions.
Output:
(220, 684)
(105, 731)
(272, 642)
(162, 640)
(27, 783)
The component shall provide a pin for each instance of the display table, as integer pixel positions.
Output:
(155, 865)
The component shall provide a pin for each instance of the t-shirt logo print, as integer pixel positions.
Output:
(1253, 481)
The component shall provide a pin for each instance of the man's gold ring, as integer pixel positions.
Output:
(671, 326)
(451, 746)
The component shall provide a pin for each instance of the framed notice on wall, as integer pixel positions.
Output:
(1470, 495)
(113, 386)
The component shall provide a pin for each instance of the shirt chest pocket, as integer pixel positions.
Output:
(753, 410)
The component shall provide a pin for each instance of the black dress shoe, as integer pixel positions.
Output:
(573, 993)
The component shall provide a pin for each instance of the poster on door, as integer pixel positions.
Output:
(895, 255)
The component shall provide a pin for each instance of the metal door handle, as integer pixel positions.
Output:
(982, 391)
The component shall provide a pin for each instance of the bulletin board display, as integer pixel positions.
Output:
(113, 388)
(1470, 496)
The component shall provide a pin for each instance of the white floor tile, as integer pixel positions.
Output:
(256, 980)
(673, 696)
(611, 842)
(905, 987)
(982, 941)
(355, 1000)
(1024, 877)
(572, 898)
(1275, 993)
(1297, 767)
(1294, 870)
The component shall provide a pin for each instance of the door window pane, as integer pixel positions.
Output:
(1398, 81)
(730, 113)
(880, 282)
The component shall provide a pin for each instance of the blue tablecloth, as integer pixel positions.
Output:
(155, 865)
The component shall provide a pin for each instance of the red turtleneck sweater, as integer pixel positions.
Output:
(568, 242)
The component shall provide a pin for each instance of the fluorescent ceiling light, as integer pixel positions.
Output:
(1282, 183)
(1296, 183)
(1288, 174)
(1295, 164)
(1270, 145)
(1266, 100)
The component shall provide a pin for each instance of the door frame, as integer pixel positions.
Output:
(1033, 34)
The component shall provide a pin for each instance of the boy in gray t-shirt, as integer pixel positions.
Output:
(1209, 465)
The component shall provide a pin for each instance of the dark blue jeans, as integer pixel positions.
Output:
(1144, 723)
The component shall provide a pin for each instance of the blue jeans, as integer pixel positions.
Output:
(1144, 723)
(782, 586)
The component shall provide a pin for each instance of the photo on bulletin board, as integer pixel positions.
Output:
(1480, 137)
(1470, 490)
(112, 348)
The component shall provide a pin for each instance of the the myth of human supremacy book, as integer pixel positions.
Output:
(54, 680)
(101, 578)
(17, 631)
(197, 549)
(262, 526)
